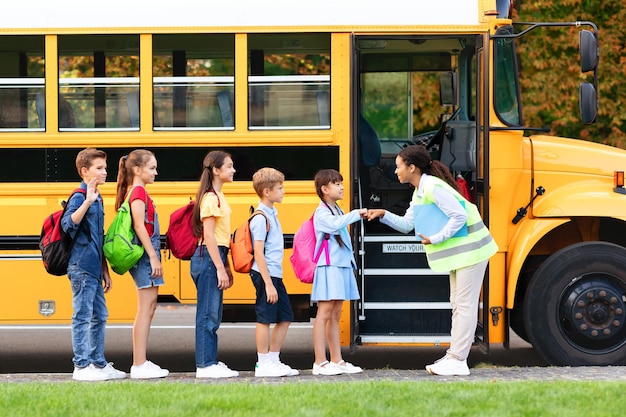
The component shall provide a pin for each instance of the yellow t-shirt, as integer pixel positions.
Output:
(210, 206)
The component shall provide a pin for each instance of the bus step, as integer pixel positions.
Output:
(434, 340)
(404, 288)
(400, 251)
(406, 320)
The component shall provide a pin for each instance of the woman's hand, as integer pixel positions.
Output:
(375, 213)
(425, 239)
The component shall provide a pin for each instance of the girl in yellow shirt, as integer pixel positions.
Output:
(210, 269)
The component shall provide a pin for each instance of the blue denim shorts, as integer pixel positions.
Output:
(142, 274)
(267, 313)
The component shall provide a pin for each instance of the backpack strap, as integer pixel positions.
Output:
(146, 220)
(323, 245)
(82, 221)
(267, 220)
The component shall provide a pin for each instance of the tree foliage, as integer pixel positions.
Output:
(551, 72)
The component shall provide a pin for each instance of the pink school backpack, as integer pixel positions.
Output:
(303, 260)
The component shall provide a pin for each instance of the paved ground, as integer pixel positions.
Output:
(44, 355)
(495, 374)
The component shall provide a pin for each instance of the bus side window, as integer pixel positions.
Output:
(323, 108)
(225, 103)
(40, 104)
(132, 101)
(66, 113)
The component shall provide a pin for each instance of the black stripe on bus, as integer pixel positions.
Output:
(32, 242)
(174, 163)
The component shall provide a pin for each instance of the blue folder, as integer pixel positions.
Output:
(429, 220)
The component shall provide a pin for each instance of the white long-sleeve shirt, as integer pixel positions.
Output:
(446, 202)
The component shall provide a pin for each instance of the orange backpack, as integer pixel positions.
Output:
(242, 246)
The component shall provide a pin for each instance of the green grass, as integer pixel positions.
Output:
(362, 398)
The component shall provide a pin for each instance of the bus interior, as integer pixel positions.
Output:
(409, 91)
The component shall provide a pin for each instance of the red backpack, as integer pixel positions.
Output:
(55, 244)
(242, 246)
(180, 238)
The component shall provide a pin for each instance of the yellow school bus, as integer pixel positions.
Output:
(301, 87)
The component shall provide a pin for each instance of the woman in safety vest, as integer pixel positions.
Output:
(463, 247)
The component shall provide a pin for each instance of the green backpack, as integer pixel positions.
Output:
(119, 248)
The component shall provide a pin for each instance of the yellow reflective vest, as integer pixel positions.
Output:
(457, 252)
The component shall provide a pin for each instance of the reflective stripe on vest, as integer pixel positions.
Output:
(457, 252)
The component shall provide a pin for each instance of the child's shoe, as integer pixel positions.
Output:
(218, 370)
(112, 372)
(326, 368)
(347, 367)
(90, 373)
(147, 371)
(289, 369)
(269, 369)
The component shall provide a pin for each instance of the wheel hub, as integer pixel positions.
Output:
(593, 312)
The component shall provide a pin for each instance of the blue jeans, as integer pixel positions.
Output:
(209, 305)
(89, 318)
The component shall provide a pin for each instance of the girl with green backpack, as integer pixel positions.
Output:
(136, 170)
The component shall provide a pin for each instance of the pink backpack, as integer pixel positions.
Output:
(303, 260)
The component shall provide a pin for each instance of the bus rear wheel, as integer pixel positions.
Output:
(575, 306)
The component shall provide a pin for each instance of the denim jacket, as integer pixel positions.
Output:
(87, 251)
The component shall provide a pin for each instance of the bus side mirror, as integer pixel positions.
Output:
(588, 101)
(588, 49)
(447, 89)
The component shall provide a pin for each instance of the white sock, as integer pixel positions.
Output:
(274, 356)
(263, 357)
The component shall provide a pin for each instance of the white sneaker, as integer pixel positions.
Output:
(148, 370)
(347, 367)
(326, 368)
(269, 369)
(218, 370)
(289, 369)
(89, 373)
(112, 372)
(449, 367)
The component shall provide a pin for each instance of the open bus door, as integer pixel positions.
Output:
(402, 300)
(481, 189)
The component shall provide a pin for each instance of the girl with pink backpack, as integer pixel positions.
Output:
(334, 280)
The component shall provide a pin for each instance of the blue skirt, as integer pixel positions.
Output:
(334, 283)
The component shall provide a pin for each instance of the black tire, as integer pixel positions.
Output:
(517, 323)
(575, 306)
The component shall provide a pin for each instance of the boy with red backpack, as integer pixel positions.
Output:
(272, 300)
(88, 270)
